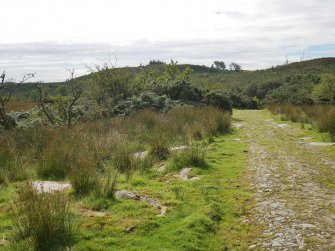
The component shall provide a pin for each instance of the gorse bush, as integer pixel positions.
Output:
(44, 218)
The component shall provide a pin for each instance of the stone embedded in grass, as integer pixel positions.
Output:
(141, 155)
(281, 125)
(124, 194)
(184, 173)
(307, 225)
(321, 144)
(305, 138)
(178, 148)
(161, 169)
(144, 154)
(238, 125)
(50, 186)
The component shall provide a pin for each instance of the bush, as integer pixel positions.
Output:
(44, 218)
(218, 100)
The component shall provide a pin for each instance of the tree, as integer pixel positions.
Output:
(109, 84)
(41, 105)
(6, 92)
(235, 67)
(220, 65)
(76, 92)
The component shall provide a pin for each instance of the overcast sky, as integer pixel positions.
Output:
(48, 36)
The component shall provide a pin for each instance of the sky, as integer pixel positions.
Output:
(47, 37)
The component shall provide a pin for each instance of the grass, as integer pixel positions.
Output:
(321, 117)
(201, 215)
(193, 156)
(44, 219)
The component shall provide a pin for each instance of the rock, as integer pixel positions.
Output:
(130, 229)
(178, 148)
(321, 144)
(237, 140)
(306, 225)
(305, 138)
(252, 247)
(50, 186)
(124, 194)
(141, 155)
(275, 243)
(281, 125)
(238, 125)
(183, 174)
(161, 169)
(194, 178)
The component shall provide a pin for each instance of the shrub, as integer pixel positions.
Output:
(218, 100)
(44, 218)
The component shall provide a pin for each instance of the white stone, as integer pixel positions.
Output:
(50, 186)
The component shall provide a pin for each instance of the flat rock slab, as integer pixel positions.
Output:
(161, 169)
(178, 148)
(141, 155)
(184, 173)
(50, 186)
(238, 125)
(321, 144)
(281, 125)
(144, 154)
(305, 138)
(124, 194)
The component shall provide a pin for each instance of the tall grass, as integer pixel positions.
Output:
(61, 152)
(321, 117)
(44, 218)
(194, 156)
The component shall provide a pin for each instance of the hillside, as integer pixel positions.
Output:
(298, 77)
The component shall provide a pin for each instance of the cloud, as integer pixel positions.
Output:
(46, 37)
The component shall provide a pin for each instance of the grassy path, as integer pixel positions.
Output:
(293, 182)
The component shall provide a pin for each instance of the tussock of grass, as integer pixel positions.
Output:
(45, 219)
(194, 156)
